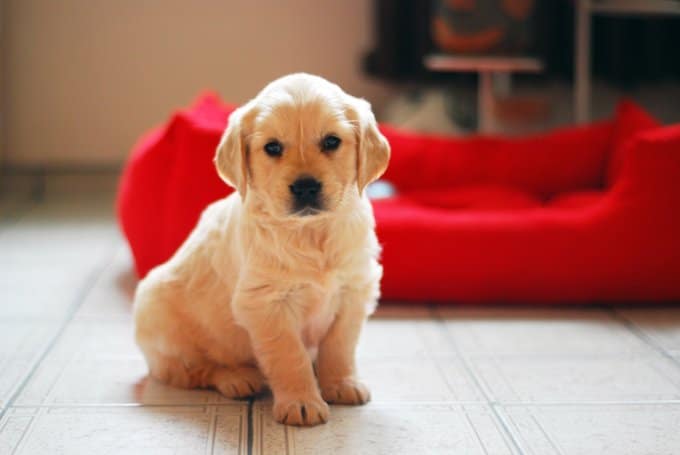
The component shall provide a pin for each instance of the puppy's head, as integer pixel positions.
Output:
(302, 147)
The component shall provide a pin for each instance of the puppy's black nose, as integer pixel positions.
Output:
(306, 190)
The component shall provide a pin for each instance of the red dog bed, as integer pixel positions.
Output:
(583, 214)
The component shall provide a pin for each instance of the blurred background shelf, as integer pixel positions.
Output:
(585, 9)
(488, 68)
(635, 6)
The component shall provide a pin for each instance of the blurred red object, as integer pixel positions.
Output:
(582, 214)
(169, 179)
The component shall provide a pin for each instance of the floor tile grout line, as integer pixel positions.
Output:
(474, 430)
(545, 433)
(499, 371)
(126, 405)
(507, 426)
(513, 429)
(546, 404)
(468, 369)
(27, 429)
(385, 404)
(82, 293)
(640, 334)
(210, 447)
(249, 423)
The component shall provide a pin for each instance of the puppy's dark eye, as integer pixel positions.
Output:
(330, 143)
(273, 148)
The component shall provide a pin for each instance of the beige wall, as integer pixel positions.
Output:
(85, 77)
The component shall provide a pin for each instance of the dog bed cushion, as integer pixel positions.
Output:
(580, 214)
(474, 197)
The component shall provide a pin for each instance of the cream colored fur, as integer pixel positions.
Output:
(258, 295)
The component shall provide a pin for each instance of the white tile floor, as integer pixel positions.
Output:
(444, 380)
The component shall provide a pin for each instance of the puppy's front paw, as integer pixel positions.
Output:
(307, 411)
(346, 391)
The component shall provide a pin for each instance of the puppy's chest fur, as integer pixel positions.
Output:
(311, 268)
(323, 257)
(319, 307)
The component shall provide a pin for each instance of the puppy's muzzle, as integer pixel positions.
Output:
(306, 195)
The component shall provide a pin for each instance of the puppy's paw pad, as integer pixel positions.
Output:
(347, 391)
(241, 383)
(302, 411)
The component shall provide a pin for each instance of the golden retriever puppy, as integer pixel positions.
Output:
(273, 285)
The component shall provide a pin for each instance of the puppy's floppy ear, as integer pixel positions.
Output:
(373, 150)
(230, 157)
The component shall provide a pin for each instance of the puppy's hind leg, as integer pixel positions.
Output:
(178, 373)
(240, 382)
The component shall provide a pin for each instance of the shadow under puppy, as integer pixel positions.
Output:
(276, 280)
